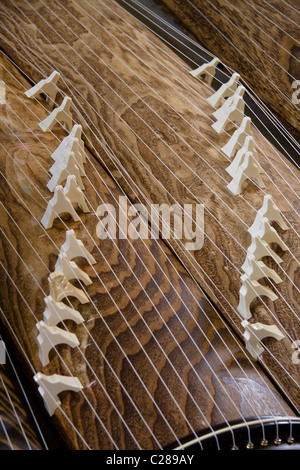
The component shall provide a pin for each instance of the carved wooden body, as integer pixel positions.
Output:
(153, 349)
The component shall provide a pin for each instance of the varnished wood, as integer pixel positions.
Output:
(146, 309)
(169, 162)
(17, 429)
(260, 40)
(150, 175)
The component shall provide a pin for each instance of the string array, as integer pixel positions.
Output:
(115, 160)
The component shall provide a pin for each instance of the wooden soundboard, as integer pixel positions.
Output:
(148, 135)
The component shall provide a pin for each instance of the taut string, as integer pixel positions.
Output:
(16, 416)
(275, 24)
(152, 151)
(274, 286)
(235, 47)
(141, 346)
(24, 394)
(251, 93)
(200, 201)
(281, 13)
(154, 91)
(250, 39)
(26, 356)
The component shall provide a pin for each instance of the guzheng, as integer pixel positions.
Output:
(149, 225)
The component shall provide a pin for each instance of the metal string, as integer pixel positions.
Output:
(249, 38)
(39, 430)
(166, 144)
(16, 415)
(281, 13)
(271, 21)
(228, 40)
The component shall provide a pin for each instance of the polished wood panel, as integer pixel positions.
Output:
(143, 308)
(163, 139)
(258, 39)
(126, 295)
(17, 428)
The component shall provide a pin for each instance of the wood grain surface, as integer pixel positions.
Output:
(258, 39)
(136, 102)
(147, 326)
(17, 428)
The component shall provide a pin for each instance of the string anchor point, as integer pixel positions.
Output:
(47, 87)
(62, 114)
(51, 385)
(225, 91)
(59, 204)
(74, 248)
(207, 70)
(264, 442)
(49, 337)
(249, 169)
(255, 332)
(56, 312)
